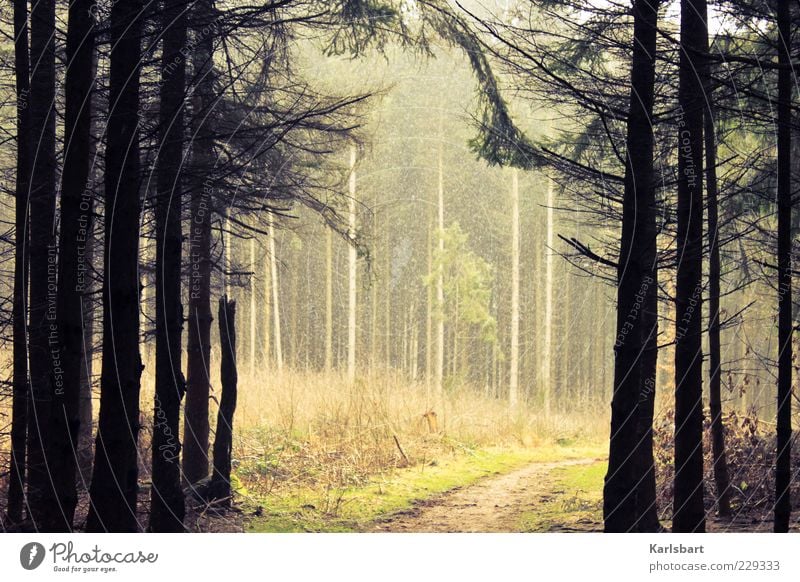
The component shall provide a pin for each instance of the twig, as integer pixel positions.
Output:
(399, 448)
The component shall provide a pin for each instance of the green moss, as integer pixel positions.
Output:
(354, 508)
(574, 501)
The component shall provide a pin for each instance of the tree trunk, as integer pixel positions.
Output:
(645, 472)
(689, 515)
(85, 406)
(328, 299)
(114, 482)
(352, 273)
(167, 508)
(635, 282)
(252, 308)
(276, 311)
(783, 473)
(721, 477)
(513, 385)
(198, 349)
(19, 408)
(77, 202)
(267, 315)
(429, 310)
(439, 367)
(373, 342)
(220, 486)
(547, 356)
(387, 302)
(43, 506)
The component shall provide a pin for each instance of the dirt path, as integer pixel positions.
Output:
(494, 504)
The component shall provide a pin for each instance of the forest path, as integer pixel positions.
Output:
(500, 503)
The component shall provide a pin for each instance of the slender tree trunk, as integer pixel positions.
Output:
(267, 315)
(429, 310)
(387, 303)
(439, 367)
(783, 469)
(513, 385)
(114, 482)
(374, 343)
(635, 281)
(88, 310)
(689, 513)
(198, 350)
(19, 407)
(547, 356)
(43, 268)
(721, 477)
(328, 299)
(645, 472)
(253, 308)
(76, 217)
(167, 508)
(276, 311)
(227, 242)
(220, 486)
(85, 406)
(352, 273)
(414, 344)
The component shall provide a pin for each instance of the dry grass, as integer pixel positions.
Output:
(306, 430)
(315, 429)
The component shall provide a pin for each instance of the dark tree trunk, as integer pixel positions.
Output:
(43, 509)
(635, 278)
(220, 486)
(85, 408)
(721, 477)
(89, 305)
(689, 513)
(88, 309)
(167, 508)
(198, 352)
(114, 481)
(73, 274)
(19, 407)
(647, 508)
(783, 469)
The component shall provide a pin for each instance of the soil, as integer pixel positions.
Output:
(494, 504)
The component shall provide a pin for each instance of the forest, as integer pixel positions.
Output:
(399, 266)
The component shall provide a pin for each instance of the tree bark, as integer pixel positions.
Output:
(114, 482)
(328, 299)
(198, 349)
(721, 476)
(635, 283)
(220, 486)
(646, 498)
(783, 472)
(77, 202)
(167, 507)
(267, 313)
(439, 363)
(85, 406)
(352, 274)
(513, 385)
(689, 513)
(252, 345)
(547, 356)
(43, 268)
(276, 311)
(19, 406)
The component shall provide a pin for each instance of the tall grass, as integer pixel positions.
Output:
(312, 427)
